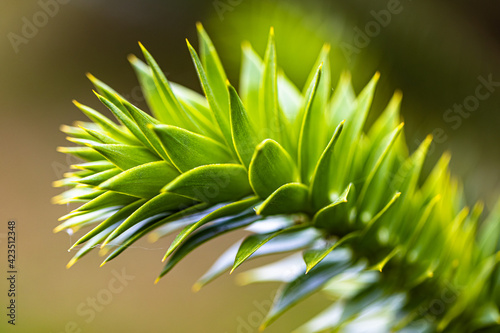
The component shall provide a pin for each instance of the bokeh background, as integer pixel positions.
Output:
(434, 52)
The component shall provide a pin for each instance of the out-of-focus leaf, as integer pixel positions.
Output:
(488, 316)
(289, 99)
(479, 278)
(284, 270)
(86, 218)
(374, 165)
(355, 120)
(489, 233)
(302, 287)
(280, 244)
(342, 102)
(74, 194)
(75, 132)
(250, 78)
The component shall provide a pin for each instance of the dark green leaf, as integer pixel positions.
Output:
(225, 211)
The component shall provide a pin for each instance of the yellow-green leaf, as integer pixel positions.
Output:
(212, 183)
(144, 181)
(288, 199)
(244, 137)
(188, 150)
(270, 168)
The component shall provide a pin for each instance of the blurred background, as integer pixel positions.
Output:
(444, 56)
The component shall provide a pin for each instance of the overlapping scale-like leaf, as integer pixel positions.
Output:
(270, 168)
(188, 150)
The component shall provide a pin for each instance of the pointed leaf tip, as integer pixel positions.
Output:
(57, 229)
(90, 77)
(246, 45)
(132, 58)
(71, 263)
(196, 287)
